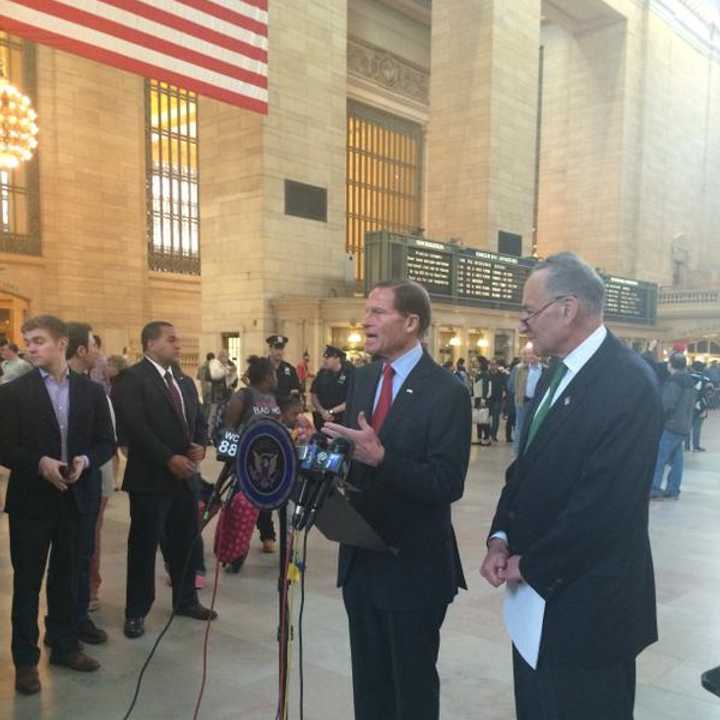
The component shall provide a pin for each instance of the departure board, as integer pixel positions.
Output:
(629, 300)
(430, 264)
(490, 278)
(486, 279)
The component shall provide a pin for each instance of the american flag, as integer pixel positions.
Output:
(216, 48)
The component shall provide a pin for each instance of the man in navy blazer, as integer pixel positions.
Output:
(161, 421)
(572, 521)
(410, 422)
(55, 434)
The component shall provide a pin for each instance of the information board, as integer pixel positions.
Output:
(629, 300)
(431, 265)
(487, 277)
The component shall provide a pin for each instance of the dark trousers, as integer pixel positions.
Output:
(32, 538)
(87, 549)
(566, 692)
(495, 407)
(394, 658)
(174, 518)
(265, 525)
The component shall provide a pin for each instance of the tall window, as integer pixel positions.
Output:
(172, 179)
(384, 176)
(19, 196)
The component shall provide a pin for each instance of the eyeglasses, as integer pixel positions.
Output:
(526, 320)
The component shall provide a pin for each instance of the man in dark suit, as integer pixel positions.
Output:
(160, 418)
(571, 525)
(56, 431)
(410, 422)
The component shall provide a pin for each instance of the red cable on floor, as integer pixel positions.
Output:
(205, 642)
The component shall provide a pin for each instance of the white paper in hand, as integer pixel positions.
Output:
(523, 613)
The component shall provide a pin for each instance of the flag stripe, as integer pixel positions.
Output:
(252, 18)
(143, 39)
(183, 42)
(206, 27)
(114, 51)
(155, 35)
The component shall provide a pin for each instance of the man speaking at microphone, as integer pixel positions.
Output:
(410, 422)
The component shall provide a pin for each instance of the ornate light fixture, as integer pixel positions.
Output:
(482, 342)
(354, 337)
(17, 125)
(455, 341)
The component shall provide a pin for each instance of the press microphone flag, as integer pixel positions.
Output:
(265, 463)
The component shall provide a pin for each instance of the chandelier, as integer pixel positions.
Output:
(17, 126)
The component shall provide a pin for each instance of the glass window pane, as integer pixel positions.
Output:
(172, 177)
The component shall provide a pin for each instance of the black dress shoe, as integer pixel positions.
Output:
(27, 681)
(91, 634)
(134, 628)
(77, 660)
(197, 612)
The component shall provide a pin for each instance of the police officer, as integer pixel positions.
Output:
(329, 388)
(288, 382)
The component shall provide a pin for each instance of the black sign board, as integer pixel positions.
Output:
(630, 300)
(489, 278)
(484, 278)
(430, 264)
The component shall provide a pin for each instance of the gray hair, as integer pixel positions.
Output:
(569, 275)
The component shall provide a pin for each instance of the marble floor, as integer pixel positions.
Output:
(475, 663)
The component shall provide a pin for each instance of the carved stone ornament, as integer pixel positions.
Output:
(388, 70)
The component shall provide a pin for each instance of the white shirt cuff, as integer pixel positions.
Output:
(500, 535)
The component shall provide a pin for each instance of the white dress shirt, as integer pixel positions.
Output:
(403, 366)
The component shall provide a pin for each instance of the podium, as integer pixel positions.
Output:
(711, 680)
(340, 522)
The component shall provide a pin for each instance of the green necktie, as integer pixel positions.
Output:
(560, 370)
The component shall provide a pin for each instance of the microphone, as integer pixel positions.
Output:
(308, 456)
(335, 466)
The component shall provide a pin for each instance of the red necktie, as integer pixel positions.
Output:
(175, 398)
(385, 399)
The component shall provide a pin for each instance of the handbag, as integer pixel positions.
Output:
(480, 416)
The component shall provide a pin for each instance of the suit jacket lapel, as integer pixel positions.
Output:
(368, 393)
(570, 399)
(45, 405)
(159, 383)
(405, 398)
(75, 410)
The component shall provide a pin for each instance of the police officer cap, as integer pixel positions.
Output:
(277, 341)
(332, 351)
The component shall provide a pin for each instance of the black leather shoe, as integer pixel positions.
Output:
(134, 628)
(91, 634)
(27, 681)
(77, 660)
(197, 612)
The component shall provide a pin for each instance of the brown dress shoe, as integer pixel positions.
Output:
(268, 546)
(77, 660)
(27, 681)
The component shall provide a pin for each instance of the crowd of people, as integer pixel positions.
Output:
(579, 542)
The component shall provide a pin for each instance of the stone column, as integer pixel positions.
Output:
(251, 251)
(483, 110)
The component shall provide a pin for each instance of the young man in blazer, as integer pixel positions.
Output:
(572, 521)
(56, 432)
(160, 418)
(410, 422)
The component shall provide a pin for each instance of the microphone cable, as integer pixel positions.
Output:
(209, 514)
(303, 570)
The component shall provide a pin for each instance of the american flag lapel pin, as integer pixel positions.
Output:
(409, 390)
(567, 401)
